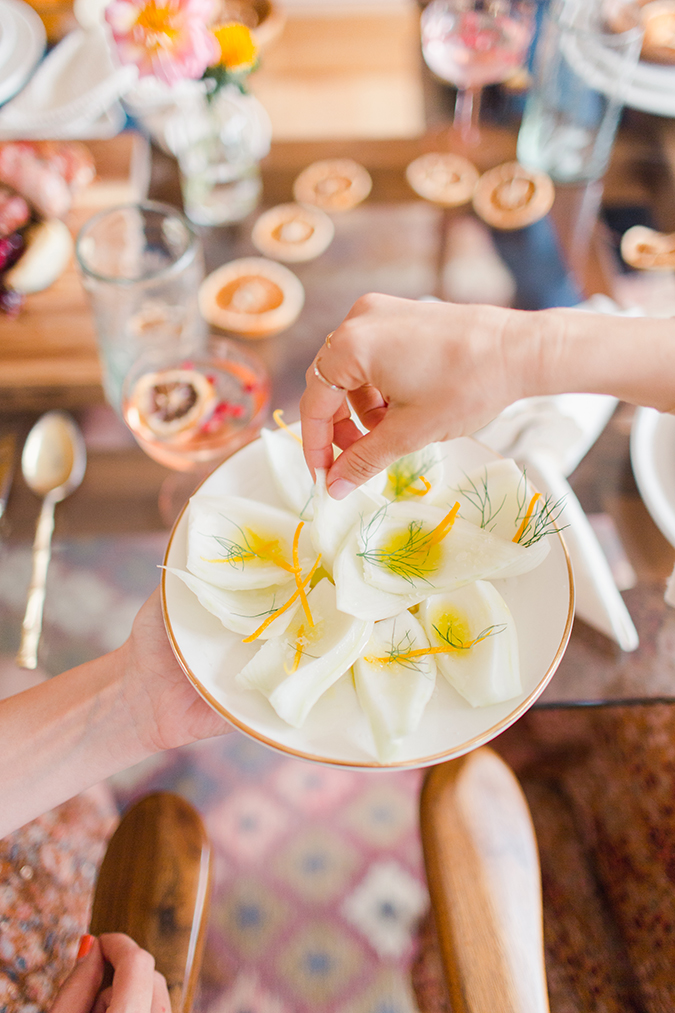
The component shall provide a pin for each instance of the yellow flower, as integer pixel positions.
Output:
(238, 51)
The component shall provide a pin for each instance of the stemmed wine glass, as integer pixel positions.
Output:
(471, 43)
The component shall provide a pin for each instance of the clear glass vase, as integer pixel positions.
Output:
(219, 141)
(218, 138)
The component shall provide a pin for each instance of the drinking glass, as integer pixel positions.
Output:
(189, 414)
(585, 55)
(471, 43)
(141, 265)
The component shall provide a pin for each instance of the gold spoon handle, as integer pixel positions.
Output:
(32, 620)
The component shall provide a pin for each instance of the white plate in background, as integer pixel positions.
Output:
(22, 43)
(652, 455)
(651, 86)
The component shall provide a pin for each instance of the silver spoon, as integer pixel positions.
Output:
(53, 463)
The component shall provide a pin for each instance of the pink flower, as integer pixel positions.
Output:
(167, 38)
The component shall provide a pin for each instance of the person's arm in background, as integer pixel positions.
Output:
(70, 732)
(419, 372)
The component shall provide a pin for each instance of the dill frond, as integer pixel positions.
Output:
(369, 529)
(401, 654)
(479, 497)
(456, 644)
(259, 615)
(252, 546)
(543, 521)
(403, 647)
(406, 656)
(302, 515)
(411, 559)
(235, 552)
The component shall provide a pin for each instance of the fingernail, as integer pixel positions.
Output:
(341, 488)
(86, 943)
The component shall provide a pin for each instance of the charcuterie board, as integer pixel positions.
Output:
(48, 352)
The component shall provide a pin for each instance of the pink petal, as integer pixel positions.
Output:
(204, 43)
(121, 16)
(185, 55)
(203, 10)
(129, 51)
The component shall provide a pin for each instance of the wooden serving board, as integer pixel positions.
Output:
(48, 356)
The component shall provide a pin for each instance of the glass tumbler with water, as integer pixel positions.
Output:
(585, 57)
(141, 265)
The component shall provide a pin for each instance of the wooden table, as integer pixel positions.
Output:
(393, 243)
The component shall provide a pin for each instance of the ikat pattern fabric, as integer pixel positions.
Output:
(319, 882)
(319, 885)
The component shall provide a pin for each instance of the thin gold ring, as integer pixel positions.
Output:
(328, 337)
(331, 386)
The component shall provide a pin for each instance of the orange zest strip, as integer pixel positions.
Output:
(420, 492)
(526, 519)
(298, 653)
(420, 652)
(277, 416)
(442, 529)
(291, 601)
(274, 554)
(298, 571)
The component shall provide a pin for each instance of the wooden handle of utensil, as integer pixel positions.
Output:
(154, 883)
(32, 620)
(482, 867)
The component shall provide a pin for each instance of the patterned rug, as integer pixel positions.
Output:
(318, 878)
(319, 884)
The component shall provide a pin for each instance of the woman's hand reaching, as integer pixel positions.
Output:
(415, 373)
(419, 372)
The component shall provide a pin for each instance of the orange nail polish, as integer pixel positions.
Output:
(86, 943)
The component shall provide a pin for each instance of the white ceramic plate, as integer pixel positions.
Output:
(336, 731)
(652, 455)
(22, 43)
(651, 86)
(652, 89)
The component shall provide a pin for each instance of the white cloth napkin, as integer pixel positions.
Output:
(73, 94)
(550, 436)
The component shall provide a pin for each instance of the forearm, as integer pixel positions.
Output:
(632, 358)
(62, 736)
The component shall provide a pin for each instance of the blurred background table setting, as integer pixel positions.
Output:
(181, 227)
